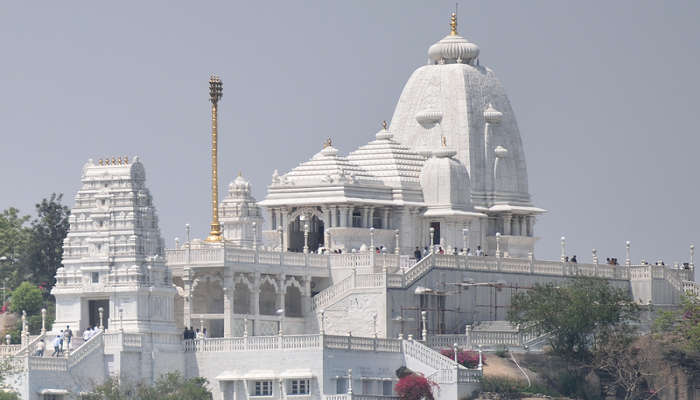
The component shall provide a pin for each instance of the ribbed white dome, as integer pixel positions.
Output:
(445, 182)
(453, 48)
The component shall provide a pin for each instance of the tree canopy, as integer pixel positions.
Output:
(26, 297)
(32, 250)
(573, 313)
(170, 386)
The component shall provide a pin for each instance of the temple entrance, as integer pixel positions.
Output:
(295, 232)
(94, 312)
(436, 236)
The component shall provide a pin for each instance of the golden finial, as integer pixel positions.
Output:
(119, 160)
(114, 161)
(99, 161)
(126, 160)
(240, 174)
(327, 143)
(384, 124)
(453, 24)
(444, 141)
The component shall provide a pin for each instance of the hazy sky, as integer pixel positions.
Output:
(605, 94)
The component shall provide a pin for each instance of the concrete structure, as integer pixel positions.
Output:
(329, 299)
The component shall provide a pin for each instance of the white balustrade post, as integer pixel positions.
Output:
(465, 240)
(25, 332)
(595, 256)
(562, 258)
(43, 321)
(454, 347)
(8, 338)
(498, 244)
(397, 250)
(424, 323)
(350, 382)
(481, 360)
(432, 238)
(371, 239)
(245, 327)
(121, 319)
(201, 326)
(468, 333)
(306, 238)
(531, 258)
(177, 243)
(628, 260)
(101, 312)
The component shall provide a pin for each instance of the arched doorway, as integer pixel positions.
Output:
(296, 233)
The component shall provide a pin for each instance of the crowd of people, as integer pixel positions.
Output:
(191, 333)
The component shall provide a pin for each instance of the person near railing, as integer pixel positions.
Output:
(40, 347)
(57, 346)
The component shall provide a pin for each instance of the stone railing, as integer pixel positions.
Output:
(65, 363)
(355, 281)
(292, 342)
(488, 340)
(30, 348)
(121, 340)
(9, 349)
(353, 396)
(446, 369)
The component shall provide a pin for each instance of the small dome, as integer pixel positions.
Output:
(445, 182)
(240, 184)
(429, 117)
(384, 133)
(501, 152)
(491, 115)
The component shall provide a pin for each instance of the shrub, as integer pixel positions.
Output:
(415, 387)
(512, 387)
(502, 352)
(468, 358)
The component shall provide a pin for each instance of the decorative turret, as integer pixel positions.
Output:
(240, 215)
(113, 254)
(491, 115)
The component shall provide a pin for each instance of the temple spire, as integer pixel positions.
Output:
(215, 94)
(453, 24)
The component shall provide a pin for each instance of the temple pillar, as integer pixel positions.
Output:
(333, 212)
(530, 219)
(370, 218)
(365, 217)
(228, 302)
(387, 211)
(282, 291)
(344, 210)
(515, 227)
(255, 294)
(507, 218)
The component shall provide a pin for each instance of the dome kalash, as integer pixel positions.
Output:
(407, 186)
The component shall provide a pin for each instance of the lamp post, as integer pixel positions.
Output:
(306, 238)
(454, 347)
(43, 321)
(215, 94)
(323, 322)
(628, 260)
(280, 312)
(121, 319)
(100, 312)
(255, 235)
(692, 256)
(498, 244)
(424, 322)
(279, 233)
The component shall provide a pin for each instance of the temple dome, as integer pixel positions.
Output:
(456, 100)
(445, 182)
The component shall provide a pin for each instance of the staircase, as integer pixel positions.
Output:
(435, 366)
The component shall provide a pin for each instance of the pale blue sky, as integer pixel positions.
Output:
(605, 94)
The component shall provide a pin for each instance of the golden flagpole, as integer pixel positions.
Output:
(215, 94)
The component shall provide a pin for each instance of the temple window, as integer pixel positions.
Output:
(377, 220)
(292, 302)
(241, 300)
(356, 218)
(262, 388)
(267, 299)
(297, 387)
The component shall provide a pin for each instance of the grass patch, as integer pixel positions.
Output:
(513, 387)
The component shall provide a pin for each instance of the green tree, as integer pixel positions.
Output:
(573, 313)
(681, 327)
(27, 297)
(45, 250)
(15, 237)
(170, 386)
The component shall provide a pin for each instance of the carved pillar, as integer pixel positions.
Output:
(344, 211)
(255, 293)
(306, 296)
(387, 212)
(282, 291)
(366, 223)
(332, 213)
(506, 223)
(515, 229)
(530, 225)
(228, 302)
(283, 224)
(370, 218)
